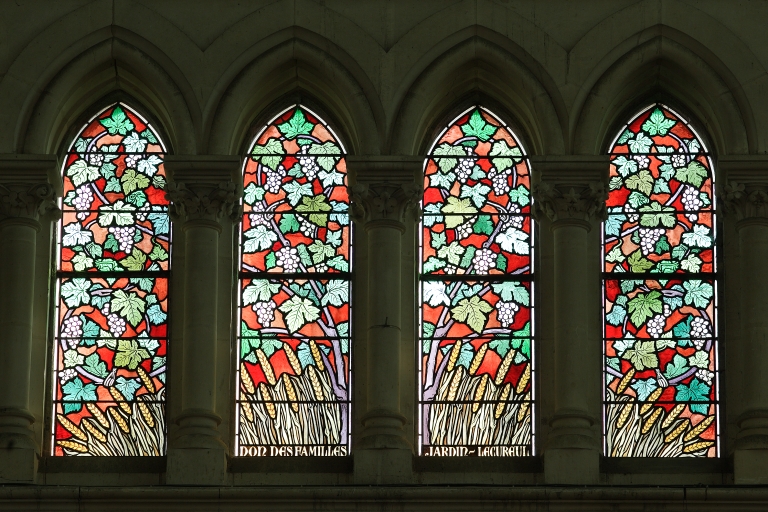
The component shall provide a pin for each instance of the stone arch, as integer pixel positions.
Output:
(474, 69)
(296, 67)
(667, 69)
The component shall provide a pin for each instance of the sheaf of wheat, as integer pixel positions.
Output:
(651, 398)
(624, 382)
(478, 359)
(73, 446)
(245, 379)
(146, 414)
(454, 386)
(695, 447)
(316, 355)
(677, 432)
(651, 420)
(453, 356)
(146, 379)
(673, 414)
(292, 359)
(267, 397)
(479, 392)
(119, 420)
(96, 413)
(698, 429)
(502, 400)
(120, 399)
(71, 427)
(501, 373)
(95, 432)
(291, 392)
(316, 387)
(266, 367)
(524, 379)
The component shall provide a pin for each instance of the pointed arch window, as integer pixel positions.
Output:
(476, 288)
(296, 254)
(112, 286)
(660, 292)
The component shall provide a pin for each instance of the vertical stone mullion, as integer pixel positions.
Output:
(748, 203)
(24, 198)
(573, 205)
(203, 195)
(383, 194)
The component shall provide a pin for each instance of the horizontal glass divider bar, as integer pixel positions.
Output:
(69, 209)
(481, 402)
(675, 338)
(294, 337)
(109, 401)
(294, 212)
(294, 446)
(473, 338)
(490, 278)
(477, 157)
(662, 402)
(640, 212)
(329, 402)
(658, 276)
(118, 152)
(704, 153)
(109, 338)
(475, 214)
(114, 273)
(281, 276)
(302, 155)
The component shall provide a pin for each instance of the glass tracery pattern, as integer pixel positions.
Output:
(476, 284)
(112, 281)
(659, 286)
(294, 332)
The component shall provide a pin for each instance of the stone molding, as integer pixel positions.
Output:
(204, 187)
(385, 189)
(744, 189)
(570, 187)
(28, 186)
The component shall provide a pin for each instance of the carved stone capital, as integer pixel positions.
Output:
(585, 202)
(203, 187)
(385, 189)
(746, 201)
(27, 188)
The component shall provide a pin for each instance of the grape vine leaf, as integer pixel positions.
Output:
(95, 366)
(473, 312)
(693, 173)
(336, 293)
(625, 166)
(640, 144)
(135, 261)
(75, 392)
(156, 314)
(296, 125)
(259, 290)
(657, 124)
(269, 154)
(642, 181)
(697, 293)
(696, 391)
(134, 144)
(128, 305)
(699, 237)
(642, 355)
(510, 290)
(677, 366)
(119, 213)
(315, 204)
(258, 239)
(513, 240)
(129, 354)
(505, 156)
(656, 214)
(451, 252)
(643, 305)
(75, 235)
(457, 206)
(483, 225)
(331, 152)
(447, 164)
(320, 251)
(639, 263)
(700, 359)
(644, 387)
(478, 127)
(80, 172)
(127, 387)
(477, 193)
(117, 122)
(298, 312)
(253, 193)
(75, 292)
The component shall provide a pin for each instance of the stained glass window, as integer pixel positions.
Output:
(660, 292)
(112, 288)
(294, 337)
(475, 358)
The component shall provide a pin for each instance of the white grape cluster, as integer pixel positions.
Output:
(265, 311)
(705, 375)
(463, 231)
(678, 161)
(655, 326)
(288, 259)
(96, 159)
(275, 179)
(307, 228)
(484, 259)
(72, 328)
(667, 310)
(464, 169)
(83, 200)
(67, 375)
(691, 201)
(308, 164)
(116, 325)
(124, 236)
(321, 267)
(642, 161)
(699, 329)
(258, 219)
(500, 180)
(141, 213)
(648, 239)
(631, 215)
(513, 220)
(132, 160)
(505, 311)
(105, 309)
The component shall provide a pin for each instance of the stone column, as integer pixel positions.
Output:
(25, 196)
(381, 197)
(202, 196)
(748, 203)
(574, 207)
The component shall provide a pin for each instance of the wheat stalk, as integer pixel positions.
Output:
(649, 402)
(145, 413)
(119, 420)
(698, 429)
(292, 359)
(316, 355)
(524, 379)
(120, 399)
(246, 380)
(651, 420)
(502, 400)
(454, 386)
(478, 359)
(624, 416)
(453, 356)
(678, 431)
(695, 447)
(625, 381)
(73, 446)
(265, 395)
(521, 413)
(146, 379)
(96, 413)
(291, 392)
(316, 388)
(501, 373)
(266, 367)
(674, 413)
(71, 427)
(479, 392)
(246, 408)
(87, 423)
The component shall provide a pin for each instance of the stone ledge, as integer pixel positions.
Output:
(102, 465)
(644, 465)
(478, 464)
(291, 465)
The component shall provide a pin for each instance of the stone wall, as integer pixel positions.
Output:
(387, 75)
